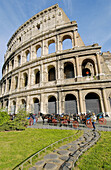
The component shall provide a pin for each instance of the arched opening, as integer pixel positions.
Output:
(16, 82)
(37, 77)
(67, 42)
(7, 67)
(23, 104)
(12, 63)
(2, 104)
(52, 108)
(28, 56)
(110, 101)
(25, 79)
(36, 105)
(7, 102)
(51, 73)
(38, 51)
(93, 103)
(9, 86)
(51, 47)
(68, 70)
(19, 60)
(4, 86)
(13, 108)
(70, 104)
(88, 68)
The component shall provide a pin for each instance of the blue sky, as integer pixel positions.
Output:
(93, 18)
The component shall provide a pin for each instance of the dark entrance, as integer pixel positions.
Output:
(92, 103)
(36, 106)
(52, 105)
(70, 104)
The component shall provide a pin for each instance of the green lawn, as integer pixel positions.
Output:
(17, 146)
(99, 156)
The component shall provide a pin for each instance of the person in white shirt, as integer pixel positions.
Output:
(93, 120)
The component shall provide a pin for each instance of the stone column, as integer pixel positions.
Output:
(6, 86)
(41, 75)
(28, 108)
(78, 69)
(99, 65)
(11, 89)
(58, 44)
(9, 106)
(16, 110)
(19, 80)
(29, 77)
(73, 43)
(15, 62)
(101, 103)
(81, 101)
(60, 102)
(42, 103)
(96, 68)
(44, 48)
(75, 39)
(59, 69)
(23, 58)
(33, 53)
(78, 104)
(10, 66)
(105, 101)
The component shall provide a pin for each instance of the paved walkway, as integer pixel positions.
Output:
(64, 158)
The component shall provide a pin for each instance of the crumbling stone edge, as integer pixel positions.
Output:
(75, 156)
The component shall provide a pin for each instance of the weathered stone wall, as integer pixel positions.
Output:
(22, 63)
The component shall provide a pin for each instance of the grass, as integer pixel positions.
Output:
(17, 146)
(99, 156)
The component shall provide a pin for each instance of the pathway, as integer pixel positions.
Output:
(64, 158)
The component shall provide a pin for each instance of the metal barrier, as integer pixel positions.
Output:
(29, 159)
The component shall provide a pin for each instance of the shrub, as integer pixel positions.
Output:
(4, 117)
(18, 123)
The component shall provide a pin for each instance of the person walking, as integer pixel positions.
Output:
(33, 117)
(93, 120)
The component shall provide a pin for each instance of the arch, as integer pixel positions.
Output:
(25, 75)
(9, 85)
(7, 103)
(51, 47)
(27, 55)
(7, 67)
(88, 68)
(19, 60)
(70, 104)
(12, 63)
(36, 105)
(37, 76)
(51, 73)
(16, 82)
(68, 70)
(110, 100)
(52, 108)
(66, 42)
(38, 51)
(92, 101)
(23, 104)
(2, 104)
(13, 107)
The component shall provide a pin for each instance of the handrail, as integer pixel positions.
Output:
(29, 159)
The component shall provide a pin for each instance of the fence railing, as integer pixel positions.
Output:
(29, 159)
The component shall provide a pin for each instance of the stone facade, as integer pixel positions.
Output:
(43, 74)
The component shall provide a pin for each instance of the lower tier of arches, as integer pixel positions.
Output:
(64, 101)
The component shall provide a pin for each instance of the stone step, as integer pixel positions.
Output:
(65, 156)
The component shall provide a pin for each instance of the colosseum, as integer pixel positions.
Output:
(48, 68)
